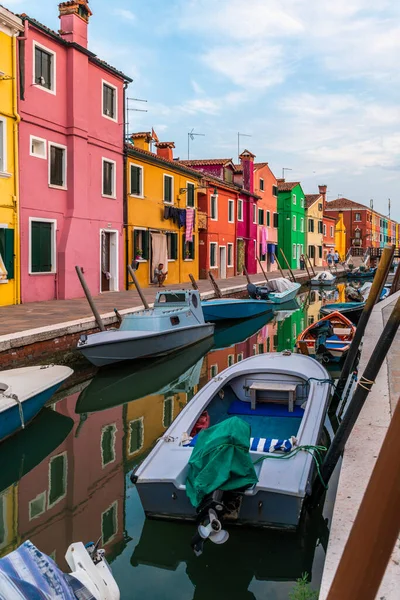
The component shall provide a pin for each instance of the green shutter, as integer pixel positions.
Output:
(136, 436)
(9, 252)
(41, 246)
(135, 181)
(268, 218)
(183, 247)
(167, 189)
(190, 195)
(108, 524)
(146, 244)
(174, 246)
(192, 248)
(57, 478)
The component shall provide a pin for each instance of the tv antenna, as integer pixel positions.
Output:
(129, 109)
(285, 169)
(239, 136)
(191, 136)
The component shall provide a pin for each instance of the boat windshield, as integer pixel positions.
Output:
(171, 298)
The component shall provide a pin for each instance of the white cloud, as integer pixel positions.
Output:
(126, 14)
(196, 87)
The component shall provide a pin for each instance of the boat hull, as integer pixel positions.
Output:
(323, 282)
(282, 298)
(158, 344)
(227, 310)
(351, 312)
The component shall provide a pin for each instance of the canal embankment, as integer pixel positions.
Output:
(42, 329)
(362, 450)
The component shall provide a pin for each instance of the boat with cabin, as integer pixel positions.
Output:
(325, 279)
(329, 339)
(276, 291)
(268, 405)
(362, 273)
(176, 321)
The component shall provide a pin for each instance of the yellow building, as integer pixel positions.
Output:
(161, 195)
(8, 520)
(314, 230)
(10, 26)
(340, 236)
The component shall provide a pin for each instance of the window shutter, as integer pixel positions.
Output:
(167, 190)
(192, 248)
(174, 244)
(35, 247)
(190, 193)
(9, 252)
(45, 247)
(145, 244)
(268, 219)
(135, 180)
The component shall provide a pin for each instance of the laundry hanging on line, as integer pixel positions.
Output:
(177, 215)
(189, 224)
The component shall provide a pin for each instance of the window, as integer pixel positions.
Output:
(294, 223)
(57, 166)
(214, 207)
(320, 206)
(320, 228)
(188, 248)
(213, 371)
(44, 68)
(276, 220)
(231, 216)
(37, 147)
(260, 253)
(302, 202)
(319, 251)
(294, 198)
(261, 184)
(274, 190)
(230, 255)
(42, 246)
(254, 349)
(168, 189)
(3, 145)
(260, 216)
(109, 178)
(268, 215)
(109, 107)
(228, 174)
(240, 210)
(254, 213)
(168, 412)
(172, 246)
(240, 357)
(358, 216)
(324, 229)
(213, 254)
(109, 523)
(140, 244)
(331, 231)
(136, 181)
(37, 506)
(190, 195)
(136, 435)
(231, 360)
(311, 225)
(260, 348)
(6, 254)
(108, 437)
(294, 254)
(57, 478)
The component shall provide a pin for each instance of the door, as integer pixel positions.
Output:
(105, 261)
(299, 252)
(222, 262)
(240, 253)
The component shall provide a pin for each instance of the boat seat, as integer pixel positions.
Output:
(342, 331)
(266, 409)
(272, 386)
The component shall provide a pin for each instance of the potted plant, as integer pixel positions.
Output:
(138, 254)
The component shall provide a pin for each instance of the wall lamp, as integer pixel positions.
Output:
(199, 187)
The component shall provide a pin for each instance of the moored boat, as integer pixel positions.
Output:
(24, 392)
(361, 274)
(325, 278)
(176, 321)
(330, 338)
(282, 398)
(228, 309)
(276, 291)
(351, 310)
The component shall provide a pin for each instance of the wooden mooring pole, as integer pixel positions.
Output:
(310, 264)
(139, 289)
(353, 410)
(305, 264)
(279, 266)
(89, 298)
(288, 266)
(246, 275)
(217, 291)
(262, 269)
(376, 526)
(375, 292)
(396, 281)
(193, 281)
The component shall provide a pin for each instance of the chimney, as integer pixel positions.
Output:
(247, 162)
(164, 150)
(322, 190)
(74, 17)
(141, 140)
(281, 180)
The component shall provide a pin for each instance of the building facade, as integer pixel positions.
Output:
(265, 186)
(340, 236)
(247, 224)
(10, 27)
(291, 230)
(314, 228)
(161, 209)
(71, 147)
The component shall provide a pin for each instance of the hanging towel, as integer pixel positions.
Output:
(182, 218)
(159, 251)
(189, 224)
(264, 237)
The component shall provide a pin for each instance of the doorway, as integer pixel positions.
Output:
(222, 262)
(108, 261)
(240, 256)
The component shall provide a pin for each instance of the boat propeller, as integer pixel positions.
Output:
(210, 529)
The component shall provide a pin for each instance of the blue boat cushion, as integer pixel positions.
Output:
(258, 444)
(335, 338)
(265, 409)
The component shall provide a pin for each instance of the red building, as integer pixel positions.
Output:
(358, 220)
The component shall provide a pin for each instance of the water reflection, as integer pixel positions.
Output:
(65, 477)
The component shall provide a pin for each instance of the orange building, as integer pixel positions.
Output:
(265, 186)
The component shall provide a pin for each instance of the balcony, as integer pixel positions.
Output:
(201, 220)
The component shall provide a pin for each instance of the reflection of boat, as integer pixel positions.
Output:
(329, 338)
(359, 274)
(124, 383)
(26, 449)
(226, 309)
(351, 310)
(225, 336)
(286, 310)
(24, 392)
(325, 278)
(268, 393)
(176, 321)
(277, 291)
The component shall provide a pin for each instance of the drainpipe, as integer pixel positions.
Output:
(17, 119)
(125, 192)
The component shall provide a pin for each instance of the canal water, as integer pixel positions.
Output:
(66, 477)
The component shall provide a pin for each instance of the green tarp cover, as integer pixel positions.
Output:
(220, 460)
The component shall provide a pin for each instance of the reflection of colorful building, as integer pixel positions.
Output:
(288, 330)
(340, 236)
(9, 519)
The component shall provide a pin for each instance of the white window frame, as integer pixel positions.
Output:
(141, 419)
(301, 225)
(262, 187)
(52, 185)
(231, 203)
(324, 229)
(294, 223)
(37, 139)
(216, 255)
(66, 479)
(215, 196)
(229, 264)
(114, 178)
(53, 249)
(105, 82)
(294, 251)
(53, 89)
(194, 194)
(172, 189)
(239, 357)
(3, 171)
(268, 218)
(43, 497)
(114, 438)
(302, 202)
(141, 195)
(115, 511)
(230, 360)
(240, 203)
(213, 371)
(294, 198)
(254, 214)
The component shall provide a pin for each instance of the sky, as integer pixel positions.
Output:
(316, 84)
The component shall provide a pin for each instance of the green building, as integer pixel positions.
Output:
(292, 222)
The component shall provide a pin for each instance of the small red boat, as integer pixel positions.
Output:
(329, 338)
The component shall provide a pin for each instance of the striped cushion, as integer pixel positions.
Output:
(272, 445)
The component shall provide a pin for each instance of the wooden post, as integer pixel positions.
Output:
(396, 281)
(279, 266)
(247, 275)
(217, 291)
(305, 264)
(262, 269)
(374, 295)
(311, 265)
(376, 526)
(139, 289)
(194, 284)
(89, 298)
(288, 266)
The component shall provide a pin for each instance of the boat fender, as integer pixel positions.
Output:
(203, 422)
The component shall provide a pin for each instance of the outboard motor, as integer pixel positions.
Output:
(352, 294)
(253, 291)
(209, 522)
(322, 331)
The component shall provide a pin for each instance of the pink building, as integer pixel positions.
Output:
(247, 214)
(71, 160)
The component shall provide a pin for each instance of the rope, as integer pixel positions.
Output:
(366, 383)
(18, 401)
(314, 451)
